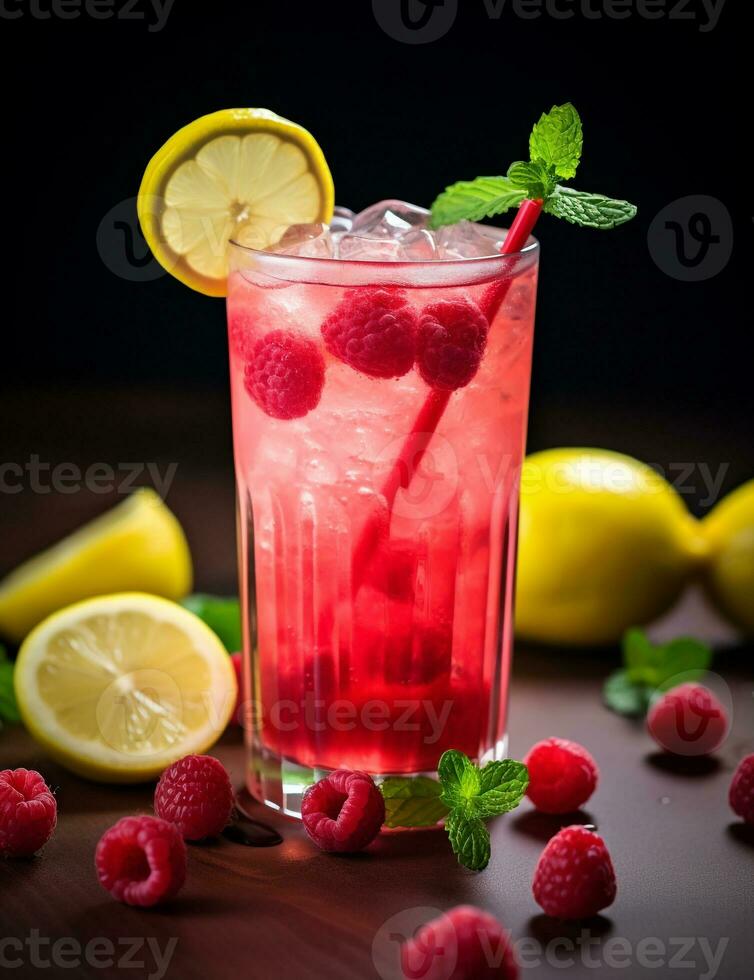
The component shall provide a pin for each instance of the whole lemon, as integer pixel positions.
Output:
(605, 543)
(729, 531)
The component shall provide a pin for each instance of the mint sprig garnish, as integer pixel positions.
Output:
(465, 796)
(649, 668)
(555, 148)
(472, 796)
(8, 707)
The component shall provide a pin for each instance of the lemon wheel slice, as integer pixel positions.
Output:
(118, 687)
(137, 545)
(241, 174)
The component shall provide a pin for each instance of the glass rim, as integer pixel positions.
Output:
(333, 271)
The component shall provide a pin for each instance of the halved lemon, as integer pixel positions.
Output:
(118, 687)
(241, 174)
(137, 545)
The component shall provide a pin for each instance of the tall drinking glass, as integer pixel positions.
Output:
(377, 625)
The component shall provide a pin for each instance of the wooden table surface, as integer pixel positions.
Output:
(685, 865)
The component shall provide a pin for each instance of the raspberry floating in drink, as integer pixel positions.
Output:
(373, 331)
(452, 336)
(285, 374)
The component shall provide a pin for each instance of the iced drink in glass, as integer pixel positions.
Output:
(377, 624)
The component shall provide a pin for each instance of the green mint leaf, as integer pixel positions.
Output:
(469, 839)
(535, 177)
(625, 696)
(557, 140)
(686, 656)
(641, 657)
(654, 665)
(412, 801)
(502, 787)
(459, 777)
(8, 707)
(472, 200)
(221, 614)
(588, 210)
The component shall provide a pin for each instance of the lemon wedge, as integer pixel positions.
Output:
(241, 174)
(118, 687)
(137, 545)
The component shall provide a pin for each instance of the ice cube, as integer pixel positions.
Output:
(467, 240)
(312, 241)
(389, 219)
(390, 231)
(357, 248)
(342, 220)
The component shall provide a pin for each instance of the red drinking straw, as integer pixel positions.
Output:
(426, 422)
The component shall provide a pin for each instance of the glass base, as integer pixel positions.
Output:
(280, 783)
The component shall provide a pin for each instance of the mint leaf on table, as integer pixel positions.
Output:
(555, 148)
(650, 667)
(557, 140)
(472, 200)
(412, 801)
(8, 707)
(588, 210)
(473, 795)
(625, 696)
(469, 839)
(503, 787)
(222, 614)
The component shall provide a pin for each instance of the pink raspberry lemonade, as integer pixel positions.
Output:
(380, 381)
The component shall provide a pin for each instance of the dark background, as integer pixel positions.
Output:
(626, 356)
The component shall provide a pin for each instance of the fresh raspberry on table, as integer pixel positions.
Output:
(196, 795)
(562, 775)
(741, 795)
(374, 331)
(28, 812)
(451, 339)
(141, 860)
(462, 944)
(574, 877)
(688, 720)
(344, 811)
(285, 374)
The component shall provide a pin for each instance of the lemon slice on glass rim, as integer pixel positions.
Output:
(119, 687)
(241, 174)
